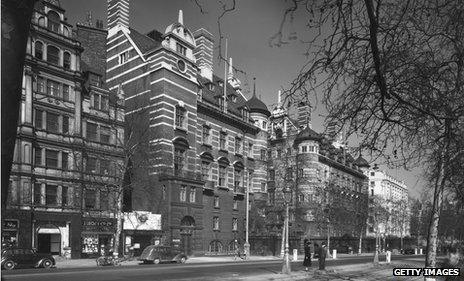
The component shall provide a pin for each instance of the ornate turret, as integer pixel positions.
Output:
(179, 38)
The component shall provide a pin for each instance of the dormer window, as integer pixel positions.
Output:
(181, 49)
(53, 21)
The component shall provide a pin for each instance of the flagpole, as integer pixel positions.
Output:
(225, 79)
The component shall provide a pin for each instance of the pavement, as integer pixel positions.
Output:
(86, 263)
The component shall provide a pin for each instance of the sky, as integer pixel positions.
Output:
(248, 30)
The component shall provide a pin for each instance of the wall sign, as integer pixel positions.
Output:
(98, 225)
(10, 224)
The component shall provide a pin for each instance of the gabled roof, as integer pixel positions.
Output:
(146, 42)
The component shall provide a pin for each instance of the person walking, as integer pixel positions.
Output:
(322, 254)
(307, 254)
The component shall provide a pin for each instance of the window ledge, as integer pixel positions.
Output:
(223, 150)
(182, 129)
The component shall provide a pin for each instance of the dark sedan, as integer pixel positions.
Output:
(12, 258)
(157, 254)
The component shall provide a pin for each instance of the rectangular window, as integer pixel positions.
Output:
(64, 160)
(372, 173)
(123, 57)
(263, 187)
(104, 196)
(304, 149)
(105, 134)
(234, 224)
(180, 117)
(65, 125)
(183, 193)
(216, 201)
(105, 166)
(52, 122)
(178, 160)
(181, 49)
(222, 176)
(40, 85)
(37, 194)
(235, 205)
(66, 92)
(38, 156)
(237, 179)
(94, 80)
(38, 119)
(272, 175)
(216, 223)
(51, 158)
(238, 146)
(192, 197)
(205, 170)
(50, 194)
(263, 154)
(90, 199)
(250, 150)
(222, 141)
(92, 131)
(91, 165)
(64, 196)
(53, 88)
(206, 130)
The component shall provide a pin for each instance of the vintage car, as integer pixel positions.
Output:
(14, 257)
(157, 253)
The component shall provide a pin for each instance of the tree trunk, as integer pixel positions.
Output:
(282, 244)
(16, 19)
(360, 242)
(117, 238)
(432, 236)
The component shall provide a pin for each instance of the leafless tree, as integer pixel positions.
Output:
(392, 71)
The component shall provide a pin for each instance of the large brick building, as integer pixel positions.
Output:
(62, 185)
(205, 137)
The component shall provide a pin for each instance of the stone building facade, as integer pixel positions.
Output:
(64, 169)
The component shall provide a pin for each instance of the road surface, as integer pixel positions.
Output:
(199, 271)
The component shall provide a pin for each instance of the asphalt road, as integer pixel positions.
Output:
(199, 271)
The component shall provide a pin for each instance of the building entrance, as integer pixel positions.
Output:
(49, 243)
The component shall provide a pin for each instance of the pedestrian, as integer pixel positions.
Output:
(307, 254)
(322, 253)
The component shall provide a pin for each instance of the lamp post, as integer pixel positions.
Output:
(246, 246)
(286, 263)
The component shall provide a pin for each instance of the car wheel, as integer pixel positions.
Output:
(182, 260)
(9, 265)
(156, 261)
(46, 263)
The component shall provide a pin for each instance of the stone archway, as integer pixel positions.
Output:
(187, 227)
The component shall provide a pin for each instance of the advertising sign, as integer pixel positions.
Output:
(142, 220)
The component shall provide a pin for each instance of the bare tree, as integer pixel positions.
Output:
(393, 72)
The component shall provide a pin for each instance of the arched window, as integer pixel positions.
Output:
(53, 21)
(39, 50)
(215, 247)
(41, 21)
(53, 55)
(67, 60)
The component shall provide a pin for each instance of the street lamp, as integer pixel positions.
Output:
(286, 263)
(246, 246)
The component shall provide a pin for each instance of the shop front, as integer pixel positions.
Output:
(10, 232)
(140, 230)
(97, 236)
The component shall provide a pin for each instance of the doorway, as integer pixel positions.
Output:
(49, 243)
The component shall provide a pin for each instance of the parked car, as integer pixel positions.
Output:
(156, 254)
(14, 257)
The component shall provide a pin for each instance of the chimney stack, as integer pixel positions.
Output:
(304, 114)
(204, 52)
(118, 16)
